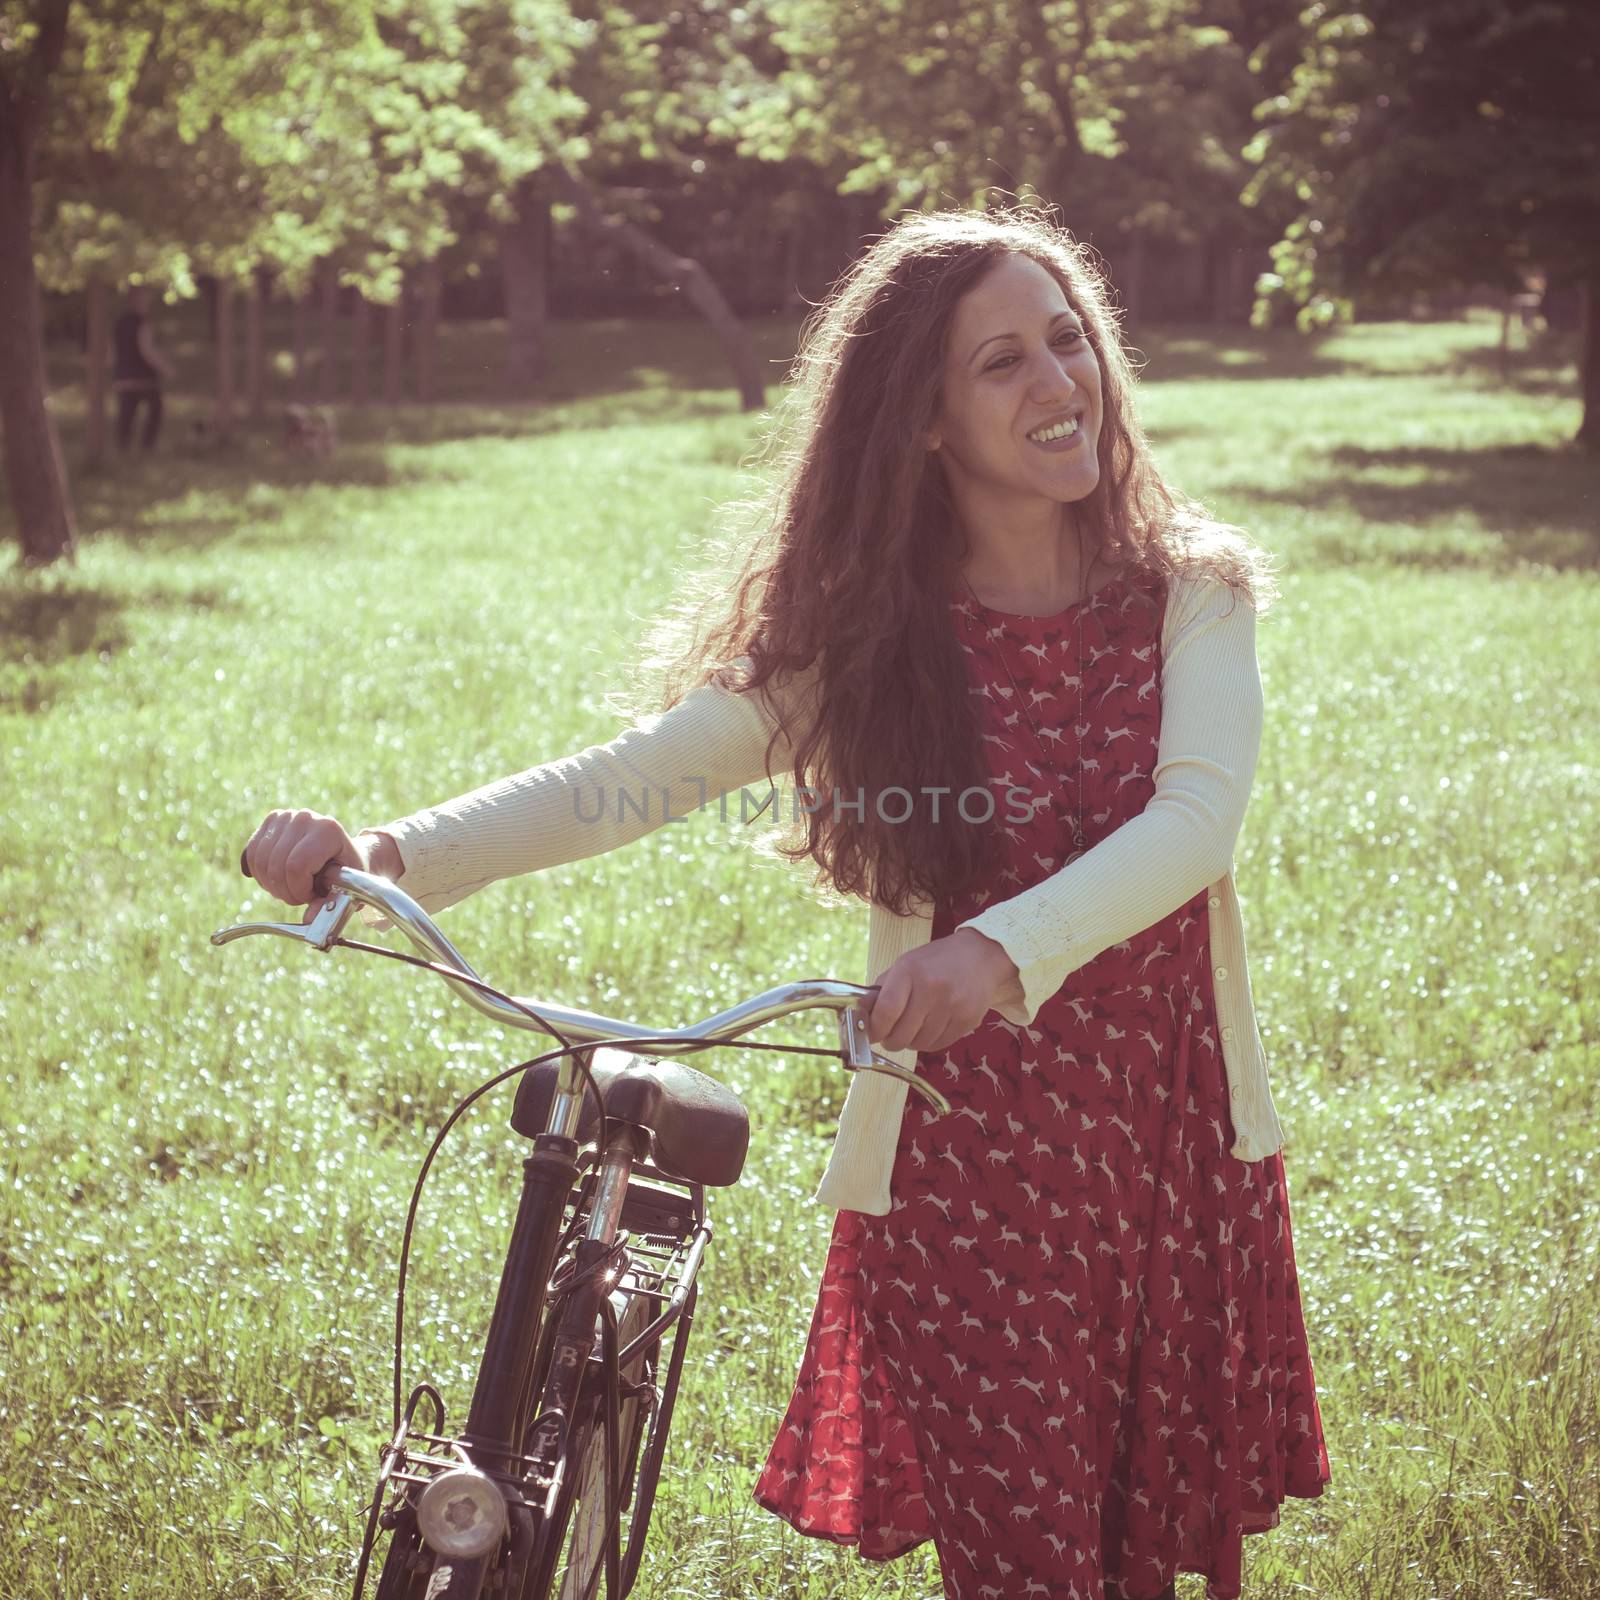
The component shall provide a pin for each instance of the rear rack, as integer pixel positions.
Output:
(662, 1238)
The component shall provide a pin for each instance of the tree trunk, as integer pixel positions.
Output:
(255, 312)
(855, 218)
(1222, 262)
(223, 416)
(1589, 362)
(298, 335)
(427, 341)
(97, 340)
(361, 351)
(328, 377)
(1242, 278)
(680, 271)
(35, 473)
(793, 297)
(394, 342)
(524, 256)
(1131, 281)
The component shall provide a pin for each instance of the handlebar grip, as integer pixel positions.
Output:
(316, 893)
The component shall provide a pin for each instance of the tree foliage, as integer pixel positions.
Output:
(1427, 144)
(1129, 114)
(215, 135)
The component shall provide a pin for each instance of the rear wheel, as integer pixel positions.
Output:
(580, 1568)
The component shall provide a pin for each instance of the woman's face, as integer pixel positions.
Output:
(1018, 363)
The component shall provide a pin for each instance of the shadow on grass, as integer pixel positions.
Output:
(47, 626)
(1210, 354)
(186, 495)
(558, 411)
(43, 630)
(1539, 500)
(1462, 350)
(1548, 367)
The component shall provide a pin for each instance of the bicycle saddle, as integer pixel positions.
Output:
(699, 1129)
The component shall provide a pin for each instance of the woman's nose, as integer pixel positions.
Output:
(1050, 371)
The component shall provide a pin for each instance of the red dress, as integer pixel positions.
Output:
(1073, 1352)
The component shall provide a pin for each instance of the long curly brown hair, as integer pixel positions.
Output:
(841, 565)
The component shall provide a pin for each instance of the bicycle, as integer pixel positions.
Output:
(568, 1422)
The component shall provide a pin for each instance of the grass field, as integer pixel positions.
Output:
(209, 1150)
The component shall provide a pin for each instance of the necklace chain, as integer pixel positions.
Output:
(1078, 844)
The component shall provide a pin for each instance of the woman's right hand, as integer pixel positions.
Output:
(290, 848)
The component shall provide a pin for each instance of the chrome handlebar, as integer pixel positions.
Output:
(350, 888)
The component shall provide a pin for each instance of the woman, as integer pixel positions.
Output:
(1059, 1330)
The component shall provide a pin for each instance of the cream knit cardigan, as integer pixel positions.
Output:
(714, 742)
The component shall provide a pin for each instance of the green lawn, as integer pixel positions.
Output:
(210, 1150)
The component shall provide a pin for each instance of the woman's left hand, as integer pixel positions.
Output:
(940, 992)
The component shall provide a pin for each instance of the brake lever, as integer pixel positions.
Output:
(859, 1056)
(319, 933)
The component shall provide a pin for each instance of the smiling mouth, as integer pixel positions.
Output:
(1059, 432)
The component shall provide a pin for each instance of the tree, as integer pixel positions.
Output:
(1131, 115)
(571, 92)
(1436, 144)
(32, 44)
(519, 58)
(167, 139)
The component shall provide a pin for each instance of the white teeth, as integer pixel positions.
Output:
(1060, 431)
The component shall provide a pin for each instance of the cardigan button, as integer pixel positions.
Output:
(1214, 902)
(1222, 972)
(1227, 1033)
(1238, 1094)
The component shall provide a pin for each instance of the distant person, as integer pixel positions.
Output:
(137, 370)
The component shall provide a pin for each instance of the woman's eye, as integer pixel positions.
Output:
(1068, 334)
